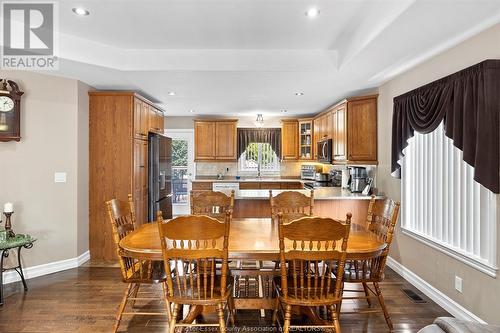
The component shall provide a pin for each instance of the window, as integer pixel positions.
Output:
(442, 204)
(259, 154)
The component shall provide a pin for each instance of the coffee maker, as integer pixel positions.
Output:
(358, 179)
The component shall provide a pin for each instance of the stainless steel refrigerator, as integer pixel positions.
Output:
(160, 176)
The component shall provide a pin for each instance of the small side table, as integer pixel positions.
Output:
(17, 242)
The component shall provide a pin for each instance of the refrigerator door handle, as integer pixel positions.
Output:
(162, 180)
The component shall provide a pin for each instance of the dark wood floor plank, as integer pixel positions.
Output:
(85, 299)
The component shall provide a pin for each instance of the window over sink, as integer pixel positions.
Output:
(259, 158)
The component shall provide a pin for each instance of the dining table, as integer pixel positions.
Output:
(250, 239)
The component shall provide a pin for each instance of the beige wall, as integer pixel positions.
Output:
(480, 292)
(54, 129)
(83, 168)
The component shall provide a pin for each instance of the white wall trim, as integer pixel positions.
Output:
(437, 296)
(456, 254)
(49, 268)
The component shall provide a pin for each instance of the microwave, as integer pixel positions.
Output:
(324, 151)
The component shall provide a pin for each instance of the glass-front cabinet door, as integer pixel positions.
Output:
(305, 139)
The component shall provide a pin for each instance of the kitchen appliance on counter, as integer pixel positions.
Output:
(308, 171)
(160, 176)
(324, 151)
(336, 177)
(358, 179)
(322, 177)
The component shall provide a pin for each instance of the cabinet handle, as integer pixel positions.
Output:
(141, 166)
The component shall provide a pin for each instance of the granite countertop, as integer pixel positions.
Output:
(249, 179)
(322, 193)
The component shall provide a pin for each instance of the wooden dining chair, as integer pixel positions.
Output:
(291, 204)
(211, 203)
(310, 248)
(191, 245)
(381, 221)
(135, 272)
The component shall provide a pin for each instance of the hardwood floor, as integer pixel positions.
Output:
(85, 299)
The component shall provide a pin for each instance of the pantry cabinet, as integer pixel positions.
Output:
(119, 123)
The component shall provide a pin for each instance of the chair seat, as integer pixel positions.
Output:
(201, 295)
(354, 271)
(307, 296)
(153, 274)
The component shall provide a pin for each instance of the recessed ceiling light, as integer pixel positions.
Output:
(284, 110)
(312, 12)
(171, 93)
(299, 93)
(192, 111)
(81, 11)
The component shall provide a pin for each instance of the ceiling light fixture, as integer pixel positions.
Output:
(260, 120)
(284, 110)
(299, 93)
(312, 12)
(171, 93)
(81, 11)
(192, 111)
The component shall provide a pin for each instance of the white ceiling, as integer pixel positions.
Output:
(243, 57)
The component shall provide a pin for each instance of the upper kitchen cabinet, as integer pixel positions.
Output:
(354, 130)
(215, 140)
(289, 139)
(306, 139)
(141, 119)
(155, 120)
(225, 140)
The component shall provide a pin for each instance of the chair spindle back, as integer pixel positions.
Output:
(191, 245)
(291, 204)
(122, 218)
(312, 249)
(211, 203)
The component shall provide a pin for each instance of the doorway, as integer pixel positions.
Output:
(183, 169)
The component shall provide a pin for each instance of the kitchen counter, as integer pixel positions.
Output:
(321, 193)
(249, 179)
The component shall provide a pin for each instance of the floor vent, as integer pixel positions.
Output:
(413, 296)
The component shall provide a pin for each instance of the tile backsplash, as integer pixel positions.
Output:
(288, 169)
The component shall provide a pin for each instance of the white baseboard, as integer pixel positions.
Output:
(49, 268)
(455, 309)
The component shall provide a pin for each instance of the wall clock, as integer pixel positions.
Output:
(10, 111)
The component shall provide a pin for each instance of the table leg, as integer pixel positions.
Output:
(1, 274)
(19, 268)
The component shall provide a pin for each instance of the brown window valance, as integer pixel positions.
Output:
(259, 135)
(469, 104)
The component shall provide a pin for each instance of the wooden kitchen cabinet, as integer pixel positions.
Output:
(339, 137)
(140, 179)
(225, 140)
(215, 140)
(119, 122)
(362, 130)
(155, 120)
(306, 139)
(140, 119)
(289, 139)
(354, 130)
